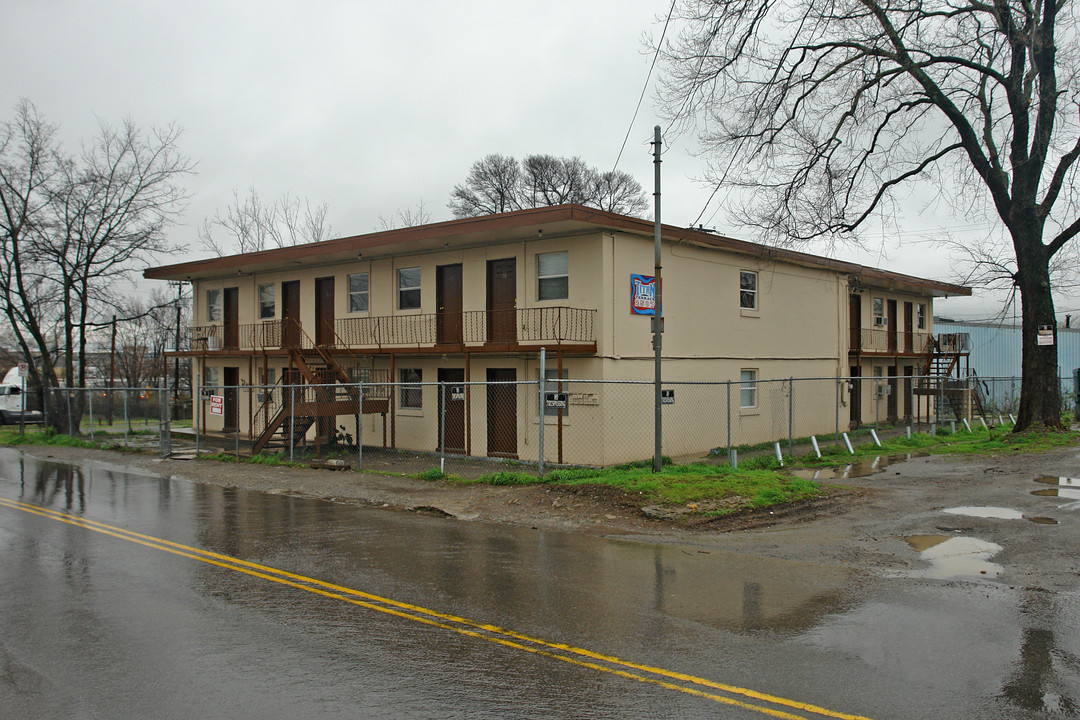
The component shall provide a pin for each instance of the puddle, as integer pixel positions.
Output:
(1042, 520)
(862, 468)
(1067, 493)
(1051, 480)
(955, 557)
(999, 513)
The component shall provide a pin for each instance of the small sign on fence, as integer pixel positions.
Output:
(457, 392)
(555, 400)
(217, 405)
(667, 397)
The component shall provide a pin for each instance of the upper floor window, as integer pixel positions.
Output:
(920, 316)
(748, 290)
(266, 301)
(358, 292)
(879, 312)
(553, 276)
(408, 288)
(213, 305)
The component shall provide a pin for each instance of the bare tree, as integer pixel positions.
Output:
(491, 187)
(825, 109)
(72, 227)
(406, 217)
(498, 183)
(251, 224)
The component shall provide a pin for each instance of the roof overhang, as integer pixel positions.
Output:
(518, 226)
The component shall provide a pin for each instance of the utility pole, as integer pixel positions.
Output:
(112, 370)
(658, 316)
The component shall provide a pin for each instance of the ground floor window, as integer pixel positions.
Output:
(748, 388)
(410, 391)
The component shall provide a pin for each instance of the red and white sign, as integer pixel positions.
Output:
(24, 369)
(217, 405)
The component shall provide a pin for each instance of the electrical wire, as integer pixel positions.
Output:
(645, 87)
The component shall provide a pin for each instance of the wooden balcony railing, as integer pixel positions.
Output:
(556, 325)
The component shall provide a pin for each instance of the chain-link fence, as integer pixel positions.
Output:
(472, 428)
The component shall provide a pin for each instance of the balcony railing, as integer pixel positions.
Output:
(889, 342)
(555, 325)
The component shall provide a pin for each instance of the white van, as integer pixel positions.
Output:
(11, 400)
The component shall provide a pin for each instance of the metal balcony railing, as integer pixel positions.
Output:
(889, 342)
(557, 325)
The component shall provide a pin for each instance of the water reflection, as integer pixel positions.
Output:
(955, 557)
(863, 468)
(1035, 684)
(56, 484)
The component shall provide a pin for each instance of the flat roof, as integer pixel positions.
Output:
(517, 226)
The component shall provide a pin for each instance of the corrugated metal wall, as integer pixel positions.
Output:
(995, 353)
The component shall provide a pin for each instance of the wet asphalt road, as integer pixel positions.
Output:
(126, 595)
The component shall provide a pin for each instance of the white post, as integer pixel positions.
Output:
(847, 441)
(817, 450)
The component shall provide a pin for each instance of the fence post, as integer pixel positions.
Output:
(729, 421)
(196, 404)
(839, 386)
(292, 419)
(127, 422)
(237, 391)
(67, 393)
(542, 407)
(360, 428)
(442, 426)
(164, 438)
(90, 397)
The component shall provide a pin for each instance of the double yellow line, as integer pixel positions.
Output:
(735, 696)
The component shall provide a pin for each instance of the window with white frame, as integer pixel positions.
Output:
(358, 292)
(409, 288)
(553, 276)
(266, 301)
(410, 393)
(879, 312)
(213, 305)
(920, 316)
(748, 299)
(748, 388)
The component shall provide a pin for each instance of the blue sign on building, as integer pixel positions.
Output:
(642, 294)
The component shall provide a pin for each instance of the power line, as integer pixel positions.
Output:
(645, 87)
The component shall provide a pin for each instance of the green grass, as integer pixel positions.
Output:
(706, 489)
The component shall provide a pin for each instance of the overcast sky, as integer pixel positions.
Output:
(375, 107)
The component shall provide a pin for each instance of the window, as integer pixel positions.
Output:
(267, 379)
(411, 392)
(920, 316)
(358, 292)
(211, 382)
(551, 384)
(408, 283)
(748, 389)
(266, 301)
(879, 312)
(213, 305)
(748, 290)
(553, 276)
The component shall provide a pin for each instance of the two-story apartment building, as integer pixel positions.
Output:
(475, 300)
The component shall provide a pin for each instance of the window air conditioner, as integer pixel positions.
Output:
(881, 321)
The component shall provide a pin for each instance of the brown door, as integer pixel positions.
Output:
(324, 311)
(909, 328)
(502, 300)
(290, 314)
(855, 322)
(891, 330)
(454, 416)
(502, 413)
(856, 396)
(909, 373)
(890, 405)
(448, 304)
(231, 318)
(231, 379)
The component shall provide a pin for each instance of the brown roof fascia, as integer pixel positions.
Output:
(518, 219)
